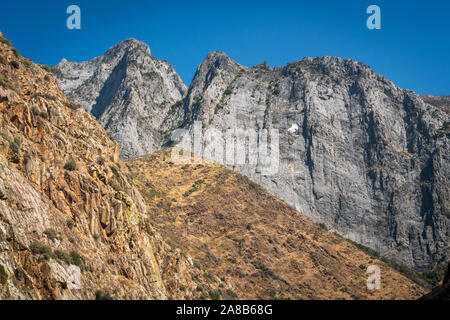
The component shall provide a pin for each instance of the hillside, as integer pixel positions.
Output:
(357, 153)
(239, 234)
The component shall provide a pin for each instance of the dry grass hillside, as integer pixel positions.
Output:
(250, 243)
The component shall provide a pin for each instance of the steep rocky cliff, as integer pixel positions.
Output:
(368, 159)
(72, 224)
(129, 92)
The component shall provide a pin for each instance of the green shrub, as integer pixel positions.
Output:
(276, 91)
(73, 105)
(45, 67)
(215, 295)
(63, 256)
(14, 145)
(37, 247)
(70, 166)
(232, 294)
(19, 274)
(323, 226)
(76, 259)
(70, 223)
(6, 84)
(228, 91)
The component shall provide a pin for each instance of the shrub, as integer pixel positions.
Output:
(228, 91)
(72, 105)
(76, 259)
(51, 234)
(100, 295)
(5, 41)
(15, 64)
(323, 226)
(215, 295)
(14, 145)
(70, 223)
(63, 256)
(45, 67)
(37, 247)
(19, 273)
(70, 166)
(231, 293)
(6, 84)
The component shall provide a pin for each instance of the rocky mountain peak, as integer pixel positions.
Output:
(130, 92)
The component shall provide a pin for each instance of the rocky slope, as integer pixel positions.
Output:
(78, 223)
(250, 243)
(129, 91)
(72, 224)
(368, 159)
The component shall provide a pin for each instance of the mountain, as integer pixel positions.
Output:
(364, 157)
(255, 245)
(130, 93)
(440, 102)
(368, 159)
(73, 225)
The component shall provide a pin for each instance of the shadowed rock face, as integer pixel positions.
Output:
(368, 159)
(128, 91)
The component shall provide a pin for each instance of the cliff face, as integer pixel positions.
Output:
(368, 159)
(72, 224)
(129, 91)
(357, 153)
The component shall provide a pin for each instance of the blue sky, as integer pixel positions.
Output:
(412, 48)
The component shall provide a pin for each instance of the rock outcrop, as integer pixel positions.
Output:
(128, 90)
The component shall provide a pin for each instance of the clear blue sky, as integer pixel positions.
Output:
(412, 49)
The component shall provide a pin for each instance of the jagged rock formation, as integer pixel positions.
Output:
(368, 159)
(72, 224)
(129, 91)
(257, 246)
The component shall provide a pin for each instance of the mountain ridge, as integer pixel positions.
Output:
(356, 152)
